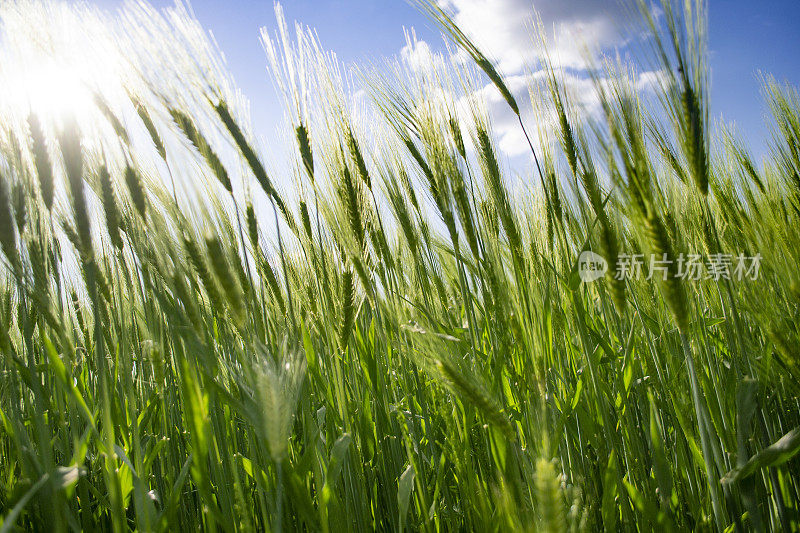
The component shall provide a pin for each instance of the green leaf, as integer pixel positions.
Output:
(746, 404)
(308, 347)
(660, 463)
(775, 455)
(64, 478)
(609, 505)
(11, 518)
(338, 454)
(404, 488)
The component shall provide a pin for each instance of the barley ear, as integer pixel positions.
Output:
(201, 144)
(610, 247)
(672, 289)
(247, 151)
(70, 142)
(20, 208)
(304, 144)
(449, 26)
(41, 160)
(305, 219)
(197, 258)
(352, 203)
(358, 158)
(184, 296)
(147, 120)
(547, 484)
(136, 190)
(252, 224)
(458, 138)
(112, 119)
(469, 389)
(272, 280)
(110, 207)
(222, 269)
(348, 308)
(8, 237)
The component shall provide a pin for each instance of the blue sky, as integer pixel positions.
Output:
(745, 37)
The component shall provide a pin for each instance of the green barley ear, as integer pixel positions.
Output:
(672, 289)
(464, 209)
(38, 260)
(8, 237)
(277, 387)
(696, 147)
(272, 280)
(400, 208)
(20, 209)
(489, 217)
(667, 151)
(744, 160)
(77, 309)
(41, 160)
(497, 190)
(550, 503)
(682, 51)
(285, 213)
(136, 190)
(147, 120)
(187, 299)
(592, 188)
(103, 287)
(435, 186)
(567, 135)
(552, 185)
(469, 389)
(235, 261)
(353, 205)
(304, 144)
(407, 187)
(445, 21)
(252, 224)
(305, 218)
(247, 151)
(110, 207)
(458, 138)
(70, 143)
(610, 247)
(5, 327)
(112, 119)
(201, 144)
(348, 307)
(423, 165)
(358, 158)
(69, 231)
(197, 258)
(222, 269)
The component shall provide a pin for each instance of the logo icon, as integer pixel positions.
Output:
(591, 266)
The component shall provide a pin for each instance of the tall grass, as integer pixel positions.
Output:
(402, 341)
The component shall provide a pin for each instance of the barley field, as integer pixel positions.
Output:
(373, 323)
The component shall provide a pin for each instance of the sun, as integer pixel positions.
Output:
(57, 71)
(54, 91)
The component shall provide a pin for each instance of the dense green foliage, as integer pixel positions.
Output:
(403, 341)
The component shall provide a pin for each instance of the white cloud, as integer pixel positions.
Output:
(505, 29)
(416, 54)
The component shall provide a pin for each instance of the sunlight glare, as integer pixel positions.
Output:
(56, 69)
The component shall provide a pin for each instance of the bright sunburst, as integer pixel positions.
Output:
(56, 70)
